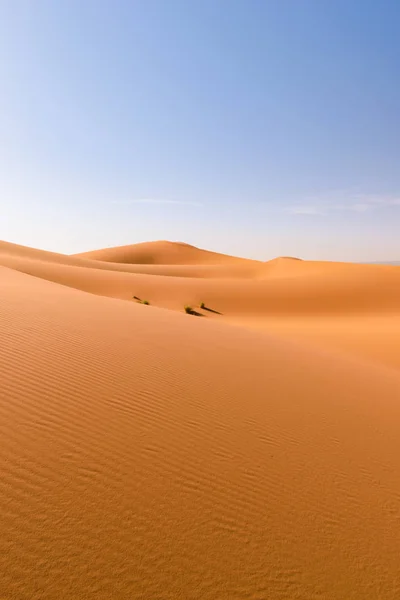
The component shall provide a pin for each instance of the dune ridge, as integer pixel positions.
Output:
(146, 453)
(280, 286)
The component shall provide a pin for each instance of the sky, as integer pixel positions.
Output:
(259, 128)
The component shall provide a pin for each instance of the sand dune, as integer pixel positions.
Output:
(281, 287)
(148, 454)
(162, 253)
(23, 258)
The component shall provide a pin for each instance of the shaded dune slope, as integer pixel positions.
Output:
(145, 454)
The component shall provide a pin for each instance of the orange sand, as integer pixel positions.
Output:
(147, 454)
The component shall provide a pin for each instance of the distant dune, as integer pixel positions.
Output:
(151, 454)
(161, 253)
(395, 263)
(282, 286)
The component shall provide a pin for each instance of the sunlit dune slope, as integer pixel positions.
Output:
(162, 253)
(149, 454)
(371, 336)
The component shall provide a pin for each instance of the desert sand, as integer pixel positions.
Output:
(250, 453)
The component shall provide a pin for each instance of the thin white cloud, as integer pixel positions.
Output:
(358, 203)
(303, 210)
(157, 201)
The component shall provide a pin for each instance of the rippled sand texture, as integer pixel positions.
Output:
(148, 454)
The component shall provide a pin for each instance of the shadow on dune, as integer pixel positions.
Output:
(211, 310)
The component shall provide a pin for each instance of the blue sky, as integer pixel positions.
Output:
(253, 127)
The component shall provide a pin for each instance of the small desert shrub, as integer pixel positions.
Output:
(145, 302)
(188, 310)
(202, 305)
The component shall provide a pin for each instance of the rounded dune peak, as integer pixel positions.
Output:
(290, 258)
(283, 258)
(162, 252)
(281, 266)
